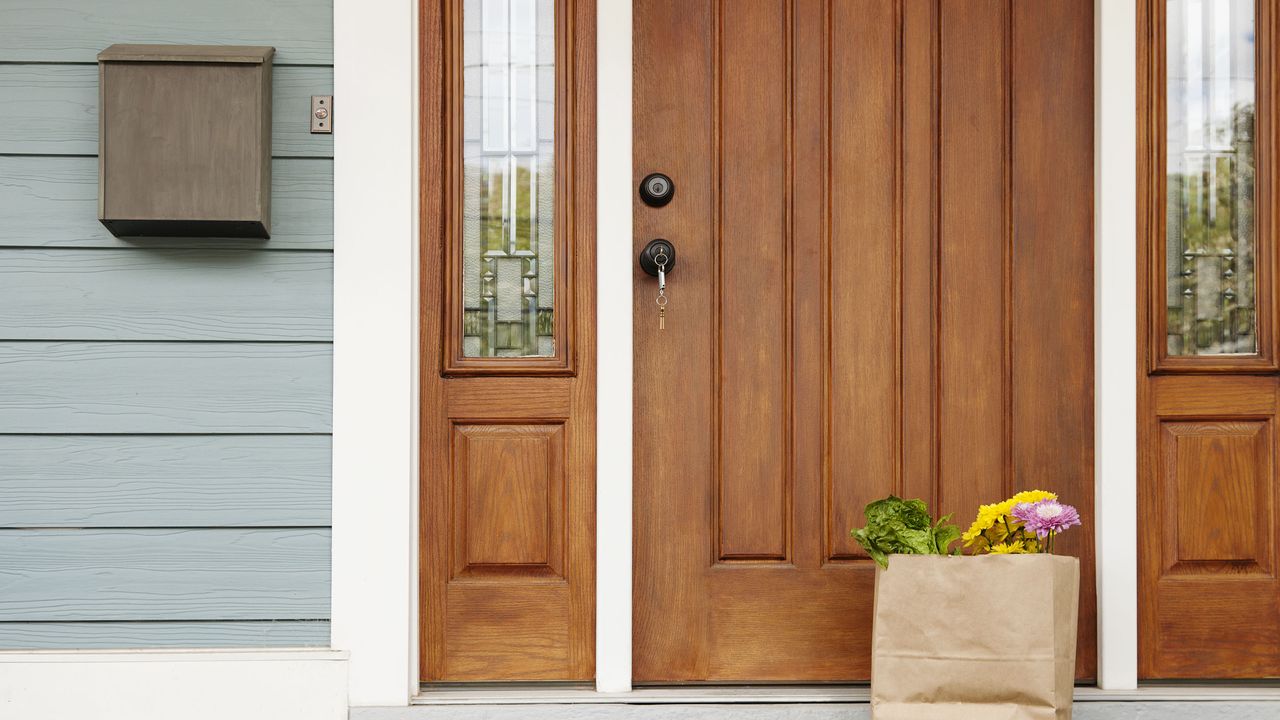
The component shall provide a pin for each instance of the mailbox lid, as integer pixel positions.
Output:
(125, 52)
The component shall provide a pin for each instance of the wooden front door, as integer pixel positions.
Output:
(883, 225)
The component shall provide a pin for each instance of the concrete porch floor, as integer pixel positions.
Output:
(1184, 702)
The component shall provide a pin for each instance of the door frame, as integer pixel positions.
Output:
(375, 387)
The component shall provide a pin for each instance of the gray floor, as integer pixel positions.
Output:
(1145, 710)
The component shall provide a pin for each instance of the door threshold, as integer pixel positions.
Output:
(781, 694)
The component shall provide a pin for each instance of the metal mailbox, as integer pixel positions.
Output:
(184, 140)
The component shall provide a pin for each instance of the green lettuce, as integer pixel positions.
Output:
(904, 527)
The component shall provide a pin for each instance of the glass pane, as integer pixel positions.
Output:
(1209, 250)
(508, 122)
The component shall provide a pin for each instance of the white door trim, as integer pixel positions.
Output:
(375, 315)
(1115, 341)
(613, 336)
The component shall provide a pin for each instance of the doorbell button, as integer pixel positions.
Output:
(656, 190)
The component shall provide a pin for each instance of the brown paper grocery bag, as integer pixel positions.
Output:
(989, 637)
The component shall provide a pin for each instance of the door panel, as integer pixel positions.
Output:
(883, 222)
(1209, 562)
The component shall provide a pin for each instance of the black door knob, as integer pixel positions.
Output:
(658, 254)
(656, 190)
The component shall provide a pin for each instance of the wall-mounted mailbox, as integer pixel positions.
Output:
(184, 144)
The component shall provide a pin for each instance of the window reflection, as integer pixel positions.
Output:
(508, 178)
(1209, 261)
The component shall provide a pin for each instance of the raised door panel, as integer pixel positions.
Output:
(508, 499)
(751, 343)
(862, 335)
(1210, 590)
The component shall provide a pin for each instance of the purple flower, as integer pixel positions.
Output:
(1046, 516)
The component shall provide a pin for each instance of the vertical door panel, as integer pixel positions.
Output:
(751, 262)
(973, 255)
(864, 323)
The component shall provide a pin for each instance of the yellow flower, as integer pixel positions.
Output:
(1030, 496)
(1010, 548)
(988, 515)
(996, 515)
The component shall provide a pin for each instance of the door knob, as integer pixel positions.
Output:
(658, 255)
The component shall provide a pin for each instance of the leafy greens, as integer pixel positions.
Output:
(904, 527)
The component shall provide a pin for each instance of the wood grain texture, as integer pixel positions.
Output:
(93, 481)
(52, 109)
(77, 30)
(145, 294)
(508, 620)
(751, 346)
(972, 254)
(163, 634)
(164, 574)
(864, 320)
(1218, 470)
(499, 632)
(1208, 585)
(164, 387)
(923, 226)
(1051, 276)
(53, 201)
(509, 499)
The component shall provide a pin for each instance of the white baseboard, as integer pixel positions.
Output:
(162, 685)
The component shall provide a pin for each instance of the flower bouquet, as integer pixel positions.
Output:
(990, 634)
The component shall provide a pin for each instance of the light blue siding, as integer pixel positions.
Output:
(53, 110)
(165, 403)
(175, 574)
(138, 387)
(206, 634)
(174, 294)
(71, 31)
(52, 201)
(104, 481)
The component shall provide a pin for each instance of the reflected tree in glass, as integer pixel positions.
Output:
(1209, 248)
(508, 184)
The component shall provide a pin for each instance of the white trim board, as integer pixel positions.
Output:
(375, 436)
(613, 331)
(134, 684)
(1115, 342)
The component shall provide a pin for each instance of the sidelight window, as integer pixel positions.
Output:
(1211, 228)
(507, 222)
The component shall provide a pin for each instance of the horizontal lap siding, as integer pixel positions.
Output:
(105, 481)
(175, 574)
(218, 633)
(164, 402)
(53, 110)
(75, 31)
(52, 201)
(173, 294)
